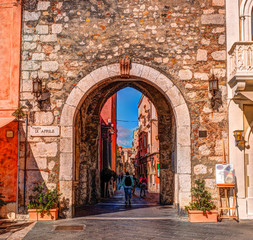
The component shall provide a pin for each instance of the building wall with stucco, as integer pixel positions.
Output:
(10, 40)
(240, 99)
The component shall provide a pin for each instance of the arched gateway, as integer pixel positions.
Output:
(102, 83)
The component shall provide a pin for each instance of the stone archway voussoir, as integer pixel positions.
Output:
(136, 70)
(184, 136)
(182, 115)
(163, 83)
(100, 74)
(175, 96)
(184, 181)
(86, 83)
(75, 97)
(66, 166)
(183, 153)
(67, 132)
(66, 145)
(113, 70)
(145, 73)
(67, 116)
(66, 188)
(153, 75)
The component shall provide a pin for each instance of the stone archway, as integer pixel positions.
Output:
(182, 117)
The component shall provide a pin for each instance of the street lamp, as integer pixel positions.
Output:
(238, 134)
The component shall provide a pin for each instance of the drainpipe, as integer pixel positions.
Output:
(151, 120)
(26, 126)
(18, 168)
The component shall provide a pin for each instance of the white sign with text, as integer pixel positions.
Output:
(45, 131)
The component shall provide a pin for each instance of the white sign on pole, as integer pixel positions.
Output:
(225, 174)
(45, 131)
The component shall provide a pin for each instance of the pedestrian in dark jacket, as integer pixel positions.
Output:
(127, 183)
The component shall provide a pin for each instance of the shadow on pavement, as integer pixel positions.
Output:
(115, 206)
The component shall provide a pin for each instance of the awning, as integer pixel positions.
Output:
(5, 121)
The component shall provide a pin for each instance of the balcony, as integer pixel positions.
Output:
(240, 70)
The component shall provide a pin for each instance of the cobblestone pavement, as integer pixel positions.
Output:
(8, 228)
(145, 219)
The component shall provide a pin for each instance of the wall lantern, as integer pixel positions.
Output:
(213, 84)
(41, 94)
(238, 134)
(216, 101)
(37, 87)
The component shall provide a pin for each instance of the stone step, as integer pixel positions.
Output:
(22, 217)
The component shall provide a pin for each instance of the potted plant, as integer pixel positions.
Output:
(43, 203)
(201, 209)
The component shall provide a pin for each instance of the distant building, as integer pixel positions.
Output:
(108, 134)
(108, 142)
(146, 145)
(126, 160)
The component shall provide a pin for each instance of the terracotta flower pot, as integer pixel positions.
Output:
(200, 216)
(34, 215)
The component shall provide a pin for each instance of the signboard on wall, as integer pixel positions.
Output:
(45, 131)
(225, 174)
(158, 170)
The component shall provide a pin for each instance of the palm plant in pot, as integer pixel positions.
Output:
(43, 203)
(201, 209)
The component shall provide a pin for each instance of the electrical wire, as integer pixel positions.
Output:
(125, 121)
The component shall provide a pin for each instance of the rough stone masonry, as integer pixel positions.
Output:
(63, 41)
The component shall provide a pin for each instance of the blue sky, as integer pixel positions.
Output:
(127, 110)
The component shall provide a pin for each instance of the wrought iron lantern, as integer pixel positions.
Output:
(42, 94)
(37, 87)
(214, 90)
(213, 84)
(238, 134)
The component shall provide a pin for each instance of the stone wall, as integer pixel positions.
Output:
(63, 41)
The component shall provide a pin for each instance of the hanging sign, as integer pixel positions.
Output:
(45, 131)
(225, 174)
(158, 170)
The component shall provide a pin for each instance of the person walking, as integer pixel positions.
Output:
(143, 184)
(135, 183)
(127, 183)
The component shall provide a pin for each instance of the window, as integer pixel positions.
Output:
(145, 141)
(252, 24)
(246, 21)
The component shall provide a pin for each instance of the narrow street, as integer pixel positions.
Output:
(145, 219)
